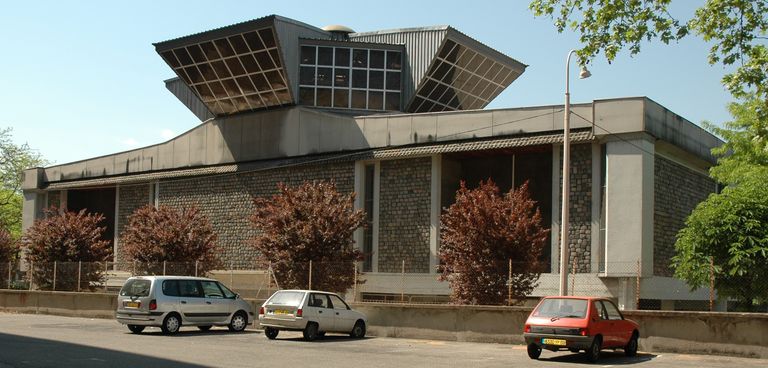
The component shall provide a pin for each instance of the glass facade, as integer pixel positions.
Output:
(350, 78)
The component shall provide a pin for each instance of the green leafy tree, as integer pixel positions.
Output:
(14, 159)
(311, 222)
(731, 228)
(67, 238)
(480, 233)
(185, 238)
(736, 29)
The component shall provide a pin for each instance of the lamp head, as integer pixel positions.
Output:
(584, 73)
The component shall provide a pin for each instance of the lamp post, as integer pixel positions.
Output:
(566, 175)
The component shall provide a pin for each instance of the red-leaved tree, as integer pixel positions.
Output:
(67, 238)
(310, 222)
(480, 233)
(182, 238)
(9, 247)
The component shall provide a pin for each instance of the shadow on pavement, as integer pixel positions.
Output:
(22, 351)
(606, 358)
(192, 332)
(320, 340)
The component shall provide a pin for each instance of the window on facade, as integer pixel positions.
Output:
(361, 78)
(368, 180)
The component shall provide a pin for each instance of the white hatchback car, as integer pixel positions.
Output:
(312, 312)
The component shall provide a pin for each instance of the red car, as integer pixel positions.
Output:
(579, 324)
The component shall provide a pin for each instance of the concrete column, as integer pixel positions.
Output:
(555, 226)
(434, 218)
(626, 293)
(359, 193)
(596, 206)
(376, 197)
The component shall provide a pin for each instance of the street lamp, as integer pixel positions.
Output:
(566, 175)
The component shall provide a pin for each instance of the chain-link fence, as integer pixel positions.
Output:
(503, 282)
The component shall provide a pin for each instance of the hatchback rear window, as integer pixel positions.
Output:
(292, 298)
(136, 287)
(562, 308)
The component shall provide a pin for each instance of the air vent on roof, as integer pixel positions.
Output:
(339, 32)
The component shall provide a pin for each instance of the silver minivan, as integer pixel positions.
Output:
(312, 312)
(170, 302)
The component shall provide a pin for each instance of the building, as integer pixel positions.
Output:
(397, 116)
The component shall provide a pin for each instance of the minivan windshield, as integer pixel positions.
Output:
(291, 298)
(136, 287)
(561, 308)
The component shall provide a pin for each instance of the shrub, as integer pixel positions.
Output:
(480, 233)
(310, 222)
(9, 247)
(184, 237)
(67, 237)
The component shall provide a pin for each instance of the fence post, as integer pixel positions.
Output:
(134, 268)
(79, 271)
(402, 283)
(637, 285)
(106, 269)
(573, 280)
(164, 263)
(196, 263)
(310, 275)
(9, 274)
(31, 273)
(509, 283)
(54, 275)
(269, 279)
(231, 275)
(711, 284)
(354, 284)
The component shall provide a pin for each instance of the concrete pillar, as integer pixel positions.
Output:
(434, 218)
(626, 295)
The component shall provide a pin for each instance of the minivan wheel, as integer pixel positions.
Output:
(136, 328)
(271, 333)
(171, 324)
(239, 322)
(630, 349)
(534, 351)
(358, 331)
(204, 328)
(593, 353)
(310, 332)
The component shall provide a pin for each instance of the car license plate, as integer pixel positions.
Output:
(556, 342)
(132, 304)
(282, 311)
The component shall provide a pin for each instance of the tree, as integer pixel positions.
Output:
(731, 228)
(735, 28)
(311, 222)
(14, 159)
(163, 234)
(480, 233)
(9, 248)
(66, 238)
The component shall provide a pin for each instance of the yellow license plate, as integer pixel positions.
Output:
(556, 342)
(132, 304)
(282, 311)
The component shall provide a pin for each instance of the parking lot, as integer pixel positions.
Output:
(52, 341)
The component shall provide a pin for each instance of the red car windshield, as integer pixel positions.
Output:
(561, 308)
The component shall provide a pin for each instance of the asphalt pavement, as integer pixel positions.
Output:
(52, 341)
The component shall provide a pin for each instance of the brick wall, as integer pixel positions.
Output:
(131, 198)
(404, 215)
(228, 201)
(677, 191)
(580, 228)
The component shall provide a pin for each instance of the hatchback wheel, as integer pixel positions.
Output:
(171, 324)
(358, 331)
(271, 333)
(630, 349)
(136, 328)
(534, 351)
(593, 353)
(239, 322)
(310, 332)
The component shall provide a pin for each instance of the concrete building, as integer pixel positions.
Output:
(397, 116)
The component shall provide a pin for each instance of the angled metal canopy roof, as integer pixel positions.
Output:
(254, 65)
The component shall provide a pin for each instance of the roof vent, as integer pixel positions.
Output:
(339, 32)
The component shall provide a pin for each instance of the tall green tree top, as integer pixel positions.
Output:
(735, 28)
(14, 159)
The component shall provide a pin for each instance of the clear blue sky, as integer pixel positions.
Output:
(81, 79)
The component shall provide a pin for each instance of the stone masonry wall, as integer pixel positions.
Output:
(227, 200)
(131, 198)
(677, 191)
(404, 215)
(580, 229)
